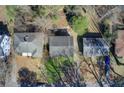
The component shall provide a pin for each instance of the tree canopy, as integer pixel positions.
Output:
(63, 71)
(79, 24)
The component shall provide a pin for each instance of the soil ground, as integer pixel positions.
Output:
(33, 64)
(2, 13)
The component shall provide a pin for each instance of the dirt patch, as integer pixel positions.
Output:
(33, 64)
(2, 13)
(61, 21)
(118, 69)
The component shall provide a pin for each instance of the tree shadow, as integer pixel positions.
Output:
(27, 78)
(59, 32)
(4, 29)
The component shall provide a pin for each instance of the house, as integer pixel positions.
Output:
(29, 43)
(95, 47)
(5, 41)
(60, 46)
(119, 43)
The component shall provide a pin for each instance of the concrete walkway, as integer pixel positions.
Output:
(11, 79)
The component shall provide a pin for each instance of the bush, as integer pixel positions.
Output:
(79, 24)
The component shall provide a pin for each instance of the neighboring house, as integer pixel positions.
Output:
(119, 43)
(29, 43)
(60, 46)
(5, 41)
(95, 47)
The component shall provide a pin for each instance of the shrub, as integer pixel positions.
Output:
(79, 24)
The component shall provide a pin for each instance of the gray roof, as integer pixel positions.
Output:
(5, 40)
(1, 50)
(95, 47)
(29, 42)
(4, 45)
(1, 53)
(60, 45)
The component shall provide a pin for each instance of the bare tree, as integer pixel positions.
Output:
(63, 73)
(43, 24)
(92, 69)
(46, 11)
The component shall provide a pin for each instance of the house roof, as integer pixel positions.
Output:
(95, 47)
(29, 42)
(60, 45)
(119, 43)
(5, 40)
